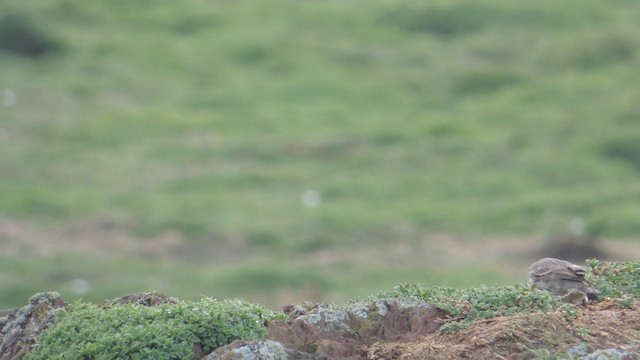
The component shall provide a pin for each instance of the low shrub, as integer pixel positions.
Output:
(133, 331)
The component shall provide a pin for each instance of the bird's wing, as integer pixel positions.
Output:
(558, 268)
(567, 274)
(545, 266)
(578, 270)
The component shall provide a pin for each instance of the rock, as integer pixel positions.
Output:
(611, 354)
(329, 332)
(255, 350)
(582, 351)
(21, 328)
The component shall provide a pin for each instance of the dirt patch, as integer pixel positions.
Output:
(113, 238)
(527, 336)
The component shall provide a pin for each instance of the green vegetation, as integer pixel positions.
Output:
(484, 302)
(166, 331)
(211, 120)
(169, 330)
(615, 280)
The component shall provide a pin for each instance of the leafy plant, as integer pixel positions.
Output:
(615, 280)
(168, 331)
(483, 302)
(619, 280)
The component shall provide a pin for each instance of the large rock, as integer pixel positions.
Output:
(257, 350)
(20, 328)
(328, 332)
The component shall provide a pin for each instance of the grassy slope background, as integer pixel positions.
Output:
(170, 146)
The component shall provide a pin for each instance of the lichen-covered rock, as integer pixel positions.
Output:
(330, 332)
(21, 328)
(611, 354)
(582, 351)
(256, 350)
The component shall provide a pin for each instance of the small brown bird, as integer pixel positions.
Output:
(561, 278)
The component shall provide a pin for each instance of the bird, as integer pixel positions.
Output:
(561, 278)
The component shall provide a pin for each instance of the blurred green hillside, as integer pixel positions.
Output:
(238, 148)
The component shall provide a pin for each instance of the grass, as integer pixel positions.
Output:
(213, 120)
(265, 281)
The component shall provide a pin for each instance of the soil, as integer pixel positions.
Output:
(599, 326)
